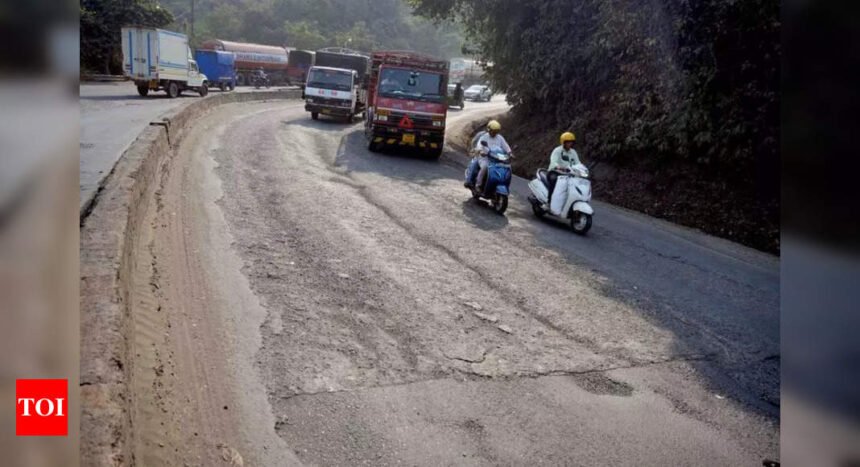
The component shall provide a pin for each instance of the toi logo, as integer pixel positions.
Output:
(41, 407)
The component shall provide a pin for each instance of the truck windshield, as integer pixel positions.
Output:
(408, 84)
(330, 79)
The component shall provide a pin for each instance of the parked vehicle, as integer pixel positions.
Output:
(156, 59)
(251, 57)
(299, 62)
(496, 188)
(338, 57)
(219, 67)
(576, 208)
(406, 101)
(478, 93)
(335, 92)
(465, 71)
(453, 99)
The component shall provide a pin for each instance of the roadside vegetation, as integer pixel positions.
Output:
(675, 103)
(301, 24)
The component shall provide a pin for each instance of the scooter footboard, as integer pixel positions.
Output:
(472, 170)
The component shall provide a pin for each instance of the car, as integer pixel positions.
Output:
(478, 93)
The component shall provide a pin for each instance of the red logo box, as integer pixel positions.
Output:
(41, 407)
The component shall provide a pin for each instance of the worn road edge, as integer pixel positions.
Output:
(109, 237)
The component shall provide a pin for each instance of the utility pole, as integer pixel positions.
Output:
(191, 36)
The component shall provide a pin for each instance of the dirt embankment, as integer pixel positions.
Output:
(677, 192)
(114, 231)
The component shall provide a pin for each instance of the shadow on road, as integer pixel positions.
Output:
(324, 123)
(724, 316)
(480, 214)
(400, 163)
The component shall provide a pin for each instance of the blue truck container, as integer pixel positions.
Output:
(219, 67)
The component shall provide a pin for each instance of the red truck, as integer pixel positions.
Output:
(406, 101)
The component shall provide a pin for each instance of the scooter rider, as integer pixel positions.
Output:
(561, 160)
(489, 141)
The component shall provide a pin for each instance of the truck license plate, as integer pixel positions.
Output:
(408, 138)
(326, 111)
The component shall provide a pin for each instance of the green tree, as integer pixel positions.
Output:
(358, 37)
(101, 21)
(305, 35)
(301, 23)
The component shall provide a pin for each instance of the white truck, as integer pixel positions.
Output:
(160, 60)
(335, 92)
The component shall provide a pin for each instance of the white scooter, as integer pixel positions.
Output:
(576, 207)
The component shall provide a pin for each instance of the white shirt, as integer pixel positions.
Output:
(563, 159)
(493, 142)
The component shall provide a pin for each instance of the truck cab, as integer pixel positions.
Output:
(196, 79)
(333, 91)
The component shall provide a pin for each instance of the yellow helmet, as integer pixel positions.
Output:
(494, 125)
(567, 136)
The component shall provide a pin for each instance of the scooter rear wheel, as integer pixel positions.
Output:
(500, 203)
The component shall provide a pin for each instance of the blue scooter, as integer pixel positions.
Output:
(496, 188)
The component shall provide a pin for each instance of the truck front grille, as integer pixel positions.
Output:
(417, 120)
(332, 102)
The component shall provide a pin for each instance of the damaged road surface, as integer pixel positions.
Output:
(306, 301)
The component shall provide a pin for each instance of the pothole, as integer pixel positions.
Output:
(598, 383)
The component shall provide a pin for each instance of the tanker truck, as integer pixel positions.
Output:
(251, 57)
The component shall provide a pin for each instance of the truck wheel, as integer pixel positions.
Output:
(349, 118)
(172, 90)
(222, 87)
(240, 80)
(143, 90)
(203, 90)
(315, 115)
(435, 153)
(371, 146)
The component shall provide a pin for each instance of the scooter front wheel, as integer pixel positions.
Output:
(500, 203)
(580, 223)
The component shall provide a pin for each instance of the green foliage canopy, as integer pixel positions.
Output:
(101, 21)
(693, 80)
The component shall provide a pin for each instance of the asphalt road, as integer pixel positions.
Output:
(307, 301)
(111, 116)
